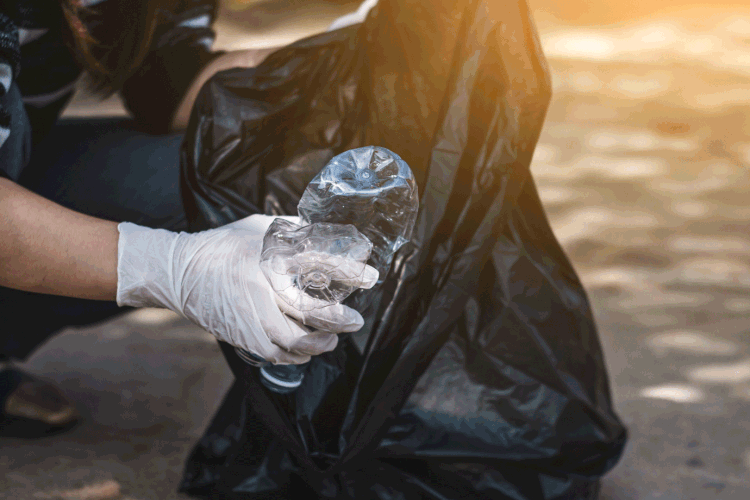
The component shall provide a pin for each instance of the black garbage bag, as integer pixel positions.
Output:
(481, 374)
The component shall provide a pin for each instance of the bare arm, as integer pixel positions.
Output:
(47, 248)
(236, 59)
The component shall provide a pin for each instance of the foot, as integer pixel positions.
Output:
(24, 398)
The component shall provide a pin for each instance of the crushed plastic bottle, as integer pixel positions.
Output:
(360, 209)
(314, 266)
(371, 188)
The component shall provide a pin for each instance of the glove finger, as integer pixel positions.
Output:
(279, 356)
(290, 297)
(348, 271)
(296, 332)
(370, 277)
(275, 344)
(335, 318)
(277, 328)
(356, 275)
(315, 343)
(259, 223)
(306, 342)
(267, 350)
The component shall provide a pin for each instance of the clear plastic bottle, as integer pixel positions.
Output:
(361, 206)
(315, 265)
(372, 189)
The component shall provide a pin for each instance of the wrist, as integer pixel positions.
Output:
(145, 260)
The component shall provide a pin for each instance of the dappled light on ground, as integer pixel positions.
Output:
(643, 168)
(692, 342)
(679, 393)
(721, 373)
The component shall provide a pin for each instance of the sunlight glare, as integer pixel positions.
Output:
(690, 341)
(678, 393)
(730, 373)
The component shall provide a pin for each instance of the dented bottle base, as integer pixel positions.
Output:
(281, 379)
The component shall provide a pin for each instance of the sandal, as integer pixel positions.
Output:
(30, 407)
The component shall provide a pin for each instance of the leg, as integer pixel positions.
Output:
(104, 168)
(109, 169)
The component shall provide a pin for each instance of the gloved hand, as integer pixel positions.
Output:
(214, 279)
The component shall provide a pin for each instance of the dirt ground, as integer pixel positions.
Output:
(643, 169)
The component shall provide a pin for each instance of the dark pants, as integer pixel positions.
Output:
(101, 167)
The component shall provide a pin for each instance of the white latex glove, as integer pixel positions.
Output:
(214, 279)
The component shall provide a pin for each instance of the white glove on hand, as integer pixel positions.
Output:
(214, 279)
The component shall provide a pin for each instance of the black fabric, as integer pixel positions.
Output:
(481, 374)
(44, 68)
(9, 381)
(5, 118)
(15, 151)
(177, 56)
(9, 49)
(10, 55)
(110, 169)
(32, 13)
(45, 65)
(44, 118)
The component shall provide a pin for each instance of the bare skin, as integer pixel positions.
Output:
(47, 248)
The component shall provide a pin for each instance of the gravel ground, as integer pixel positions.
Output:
(643, 169)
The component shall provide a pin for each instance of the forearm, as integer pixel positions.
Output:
(47, 248)
(236, 59)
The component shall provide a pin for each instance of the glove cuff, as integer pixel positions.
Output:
(145, 260)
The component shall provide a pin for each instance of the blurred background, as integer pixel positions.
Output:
(643, 169)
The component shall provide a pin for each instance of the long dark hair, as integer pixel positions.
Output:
(112, 53)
